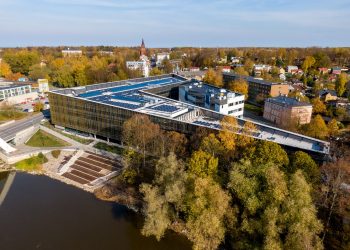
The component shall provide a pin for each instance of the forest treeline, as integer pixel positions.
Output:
(219, 188)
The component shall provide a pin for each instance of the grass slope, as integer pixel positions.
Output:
(43, 139)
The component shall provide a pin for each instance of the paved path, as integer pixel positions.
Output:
(9, 132)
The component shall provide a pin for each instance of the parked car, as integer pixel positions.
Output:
(29, 110)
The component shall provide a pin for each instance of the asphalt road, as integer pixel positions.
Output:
(9, 132)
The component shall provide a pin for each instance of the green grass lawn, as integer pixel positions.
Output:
(73, 137)
(109, 148)
(11, 114)
(32, 164)
(253, 108)
(43, 139)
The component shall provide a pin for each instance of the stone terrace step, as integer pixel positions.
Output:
(75, 178)
(81, 161)
(86, 170)
(83, 175)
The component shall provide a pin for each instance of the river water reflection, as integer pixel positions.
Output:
(41, 213)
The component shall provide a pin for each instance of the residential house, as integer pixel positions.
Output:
(292, 69)
(327, 95)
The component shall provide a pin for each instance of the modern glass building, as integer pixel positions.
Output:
(101, 110)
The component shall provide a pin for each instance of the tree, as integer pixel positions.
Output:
(165, 197)
(203, 164)
(39, 106)
(270, 152)
(308, 63)
(340, 84)
(139, 132)
(318, 106)
(317, 128)
(176, 143)
(156, 212)
(171, 179)
(22, 60)
(63, 77)
(208, 205)
(333, 127)
(334, 202)
(303, 161)
(239, 86)
(5, 69)
(300, 216)
(198, 136)
(261, 192)
(274, 212)
(248, 65)
(155, 72)
(248, 130)
(37, 72)
(167, 66)
(241, 71)
(211, 145)
(227, 136)
(213, 77)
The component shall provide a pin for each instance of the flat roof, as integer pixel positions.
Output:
(254, 80)
(133, 95)
(13, 86)
(206, 88)
(288, 101)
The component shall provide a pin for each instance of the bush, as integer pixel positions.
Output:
(129, 175)
(56, 153)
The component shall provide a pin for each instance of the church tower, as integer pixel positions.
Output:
(143, 49)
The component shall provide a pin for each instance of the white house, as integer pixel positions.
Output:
(142, 65)
(220, 100)
(161, 57)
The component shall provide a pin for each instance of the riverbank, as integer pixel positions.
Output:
(53, 215)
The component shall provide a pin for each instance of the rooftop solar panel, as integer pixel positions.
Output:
(166, 108)
(135, 86)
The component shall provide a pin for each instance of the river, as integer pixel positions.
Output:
(41, 213)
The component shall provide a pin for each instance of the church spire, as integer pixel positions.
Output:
(143, 48)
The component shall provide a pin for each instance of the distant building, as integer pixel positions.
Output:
(283, 111)
(292, 69)
(43, 85)
(194, 69)
(198, 75)
(259, 68)
(226, 69)
(143, 64)
(72, 53)
(161, 57)
(327, 95)
(220, 100)
(323, 70)
(16, 93)
(143, 50)
(106, 53)
(258, 90)
(235, 59)
(336, 70)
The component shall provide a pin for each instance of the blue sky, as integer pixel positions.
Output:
(168, 23)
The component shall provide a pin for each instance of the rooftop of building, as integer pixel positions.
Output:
(327, 91)
(253, 80)
(13, 86)
(133, 95)
(288, 101)
(210, 89)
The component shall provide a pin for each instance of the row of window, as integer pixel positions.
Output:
(235, 103)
